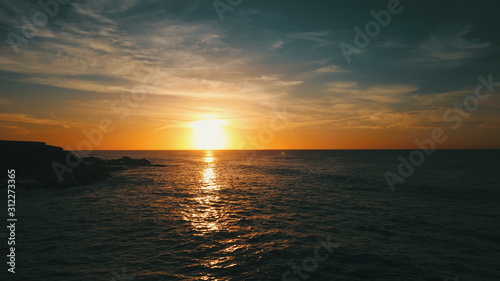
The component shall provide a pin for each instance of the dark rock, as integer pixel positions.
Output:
(93, 160)
(39, 165)
(115, 168)
(127, 161)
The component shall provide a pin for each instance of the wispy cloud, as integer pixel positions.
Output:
(329, 69)
(15, 130)
(350, 105)
(24, 118)
(449, 48)
(242, 70)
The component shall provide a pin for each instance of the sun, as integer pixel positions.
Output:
(208, 134)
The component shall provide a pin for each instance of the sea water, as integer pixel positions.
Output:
(267, 215)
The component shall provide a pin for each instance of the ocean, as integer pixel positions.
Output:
(267, 215)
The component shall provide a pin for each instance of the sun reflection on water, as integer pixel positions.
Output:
(206, 214)
(209, 178)
(208, 157)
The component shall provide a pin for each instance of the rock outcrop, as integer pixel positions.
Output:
(127, 161)
(39, 165)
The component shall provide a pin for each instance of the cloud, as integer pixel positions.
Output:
(351, 106)
(24, 118)
(244, 70)
(112, 6)
(449, 48)
(14, 130)
(91, 12)
(98, 53)
(329, 69)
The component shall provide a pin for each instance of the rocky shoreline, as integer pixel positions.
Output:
(39, 165)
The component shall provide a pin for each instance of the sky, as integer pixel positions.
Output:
(232, 74)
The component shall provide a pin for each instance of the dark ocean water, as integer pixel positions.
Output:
(277, 215)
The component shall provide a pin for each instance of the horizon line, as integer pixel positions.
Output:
(288, 149)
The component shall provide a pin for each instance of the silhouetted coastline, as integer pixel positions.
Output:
(39, 165)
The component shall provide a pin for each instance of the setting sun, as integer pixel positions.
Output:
(209, 134)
